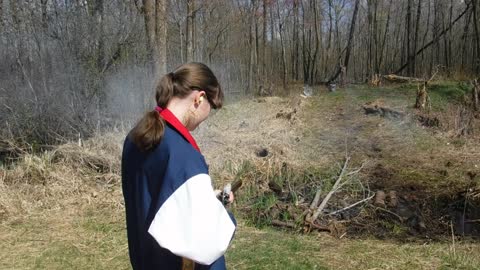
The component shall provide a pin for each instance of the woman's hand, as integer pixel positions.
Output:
(231, 197)
(219, 195)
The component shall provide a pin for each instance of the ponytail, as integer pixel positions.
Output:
(149, 130)
(165, 90)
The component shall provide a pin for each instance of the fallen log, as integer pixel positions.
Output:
(401, 79)
(376, 108)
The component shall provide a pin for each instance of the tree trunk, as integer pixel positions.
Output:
(284, 60)
(445, 44)
(475, 95)
(415, 40)
(272, 55)
(372, 55)
(408, 36)
(477, 37)
(317, 44)
(14, 14)
(2, 25)
(44, 13)
(161, 36)
(264, 42)
(189, 31)
(349, 44)
(98, 16)
(385, 33)
(449, 43)
(329, 40)
(464, 40)
(427, 29)
(306, 46)
(257, 45)
(149, 18)
(376, 68)
(253, 37)
(295, 54)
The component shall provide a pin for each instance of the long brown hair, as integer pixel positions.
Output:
(149, 131)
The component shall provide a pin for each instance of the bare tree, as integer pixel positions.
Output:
(149, 18)
(264, 41)
(100, 43)
(1, 16)
(415, 40)
(477, 37)
(349, 44)
(161, 36)
(295, 54)
(408, 36)
(190, 29)
(281, 24)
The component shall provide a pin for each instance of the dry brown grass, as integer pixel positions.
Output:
(67, 176)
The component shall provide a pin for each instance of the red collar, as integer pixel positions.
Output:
(170, 118)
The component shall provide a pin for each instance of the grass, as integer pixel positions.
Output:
(63, 210)
(274, 249)
(95, 239)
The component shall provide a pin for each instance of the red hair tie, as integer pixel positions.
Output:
(158, 109)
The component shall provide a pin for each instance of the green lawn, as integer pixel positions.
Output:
(94, 238)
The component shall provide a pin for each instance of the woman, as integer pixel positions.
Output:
(174, 220)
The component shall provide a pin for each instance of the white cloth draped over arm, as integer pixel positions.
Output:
(193, 223)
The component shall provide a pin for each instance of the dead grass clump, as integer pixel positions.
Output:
(30, 169)
(100, 154)
(67, 177)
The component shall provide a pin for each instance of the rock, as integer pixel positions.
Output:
(380, 198)
(393, 199)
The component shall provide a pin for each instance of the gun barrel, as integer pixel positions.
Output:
(236, 185)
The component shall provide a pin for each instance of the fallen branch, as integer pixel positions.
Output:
(376, 108)
(316, 199)
(329, 195)
(319, 227)
(352, 205)
(400, 79)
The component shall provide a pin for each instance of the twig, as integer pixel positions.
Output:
(357, 170)
(351, 173)
(329, 195)
(352, 205)
(316, 199)
(453, 238)
(319, 227)
(472, 221)
(388, 211)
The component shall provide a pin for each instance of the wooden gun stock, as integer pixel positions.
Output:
(233, 187)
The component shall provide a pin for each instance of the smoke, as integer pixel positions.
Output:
(130, 94)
